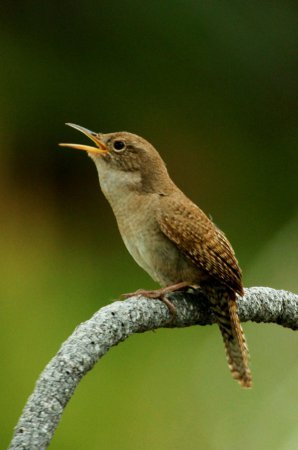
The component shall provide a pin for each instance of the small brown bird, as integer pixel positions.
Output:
(168, 235)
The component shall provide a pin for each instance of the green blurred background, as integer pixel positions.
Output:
(213, 86)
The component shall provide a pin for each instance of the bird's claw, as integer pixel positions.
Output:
(157, 294)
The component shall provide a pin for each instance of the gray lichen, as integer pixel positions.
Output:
(114, 323)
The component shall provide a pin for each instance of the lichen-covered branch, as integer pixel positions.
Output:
(112, 324)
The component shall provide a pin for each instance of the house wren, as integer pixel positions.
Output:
(168, 235)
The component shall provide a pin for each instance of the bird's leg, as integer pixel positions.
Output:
(160, 294)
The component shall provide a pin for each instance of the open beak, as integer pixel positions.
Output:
(100, 146)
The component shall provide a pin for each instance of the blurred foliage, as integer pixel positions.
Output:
(213, 86)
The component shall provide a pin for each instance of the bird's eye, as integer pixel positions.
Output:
(119, 145)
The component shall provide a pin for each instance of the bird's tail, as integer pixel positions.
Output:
(224, 307)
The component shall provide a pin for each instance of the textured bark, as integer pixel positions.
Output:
(112, 324)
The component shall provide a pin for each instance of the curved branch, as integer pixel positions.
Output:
(114, 323)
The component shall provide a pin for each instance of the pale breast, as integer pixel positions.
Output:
(150, 248)
(136, 217)
(140, 233)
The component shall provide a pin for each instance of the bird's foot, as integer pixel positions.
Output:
(160, 294)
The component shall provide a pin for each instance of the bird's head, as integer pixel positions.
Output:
(125, 156)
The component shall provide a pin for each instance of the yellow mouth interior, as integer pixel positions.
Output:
(100, 146)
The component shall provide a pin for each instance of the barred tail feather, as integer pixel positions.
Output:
(225, 310)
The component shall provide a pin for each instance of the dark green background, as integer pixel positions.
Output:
(213, 86)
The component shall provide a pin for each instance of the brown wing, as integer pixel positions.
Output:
(200, 240)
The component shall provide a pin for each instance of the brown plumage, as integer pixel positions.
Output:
(168, 235)
(207, 247)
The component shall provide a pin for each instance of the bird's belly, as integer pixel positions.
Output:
(147, 253)
(156, 254)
